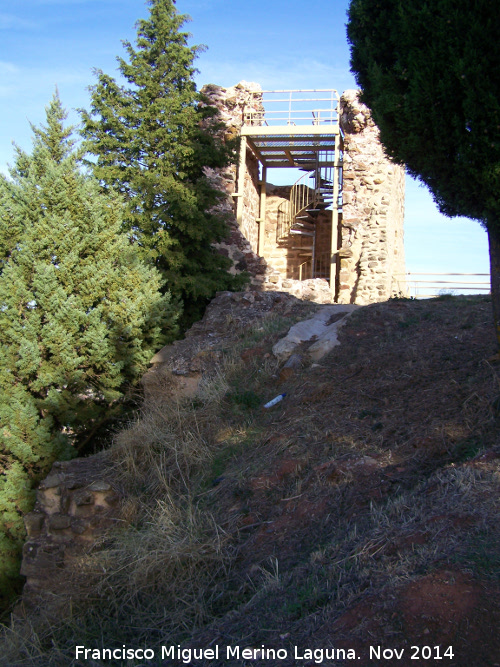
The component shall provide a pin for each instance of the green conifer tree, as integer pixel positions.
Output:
(153, 140)
(80, 316)
(429, 73)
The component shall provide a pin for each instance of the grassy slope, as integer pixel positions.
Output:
(362, 510)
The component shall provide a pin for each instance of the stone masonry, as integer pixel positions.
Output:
(372, 265)
(242, 244)
(370, 259)
(76, 505)
(82, 500)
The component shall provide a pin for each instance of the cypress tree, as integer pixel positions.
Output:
(80, 316)
(429, 73)
(153, 139)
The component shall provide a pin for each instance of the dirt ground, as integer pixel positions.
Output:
(365, 505)
(358, 516)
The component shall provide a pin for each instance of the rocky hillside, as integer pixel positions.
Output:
(356, 519)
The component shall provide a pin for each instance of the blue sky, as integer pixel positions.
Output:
(278, 43)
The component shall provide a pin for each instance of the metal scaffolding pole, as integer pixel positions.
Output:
(335, 218)
(262, 218)
(241, 180)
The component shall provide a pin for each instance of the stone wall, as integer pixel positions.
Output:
(82, 500)
(76, 505)
(242, 243)
(286, 256)
(251, 202)
(276, 266)
(372, 265)
(324, 242)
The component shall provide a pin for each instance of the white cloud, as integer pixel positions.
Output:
(10, 21)
(23, 83)
(26, 91)
(9, 75)
(8, 68)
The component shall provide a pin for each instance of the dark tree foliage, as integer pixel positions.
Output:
(429, 73)
(153, 140)
(80, 317)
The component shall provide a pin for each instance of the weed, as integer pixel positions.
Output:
(467, 448)
(307, 598)
(409, 322)
(401, 296)
(368, 413)
(223, 457)
(246, 399)
(482, 554)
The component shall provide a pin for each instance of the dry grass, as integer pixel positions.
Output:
(251, 526)
(162, 573)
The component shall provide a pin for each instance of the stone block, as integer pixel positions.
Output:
(33, 522)
(59, 522)
(79, 526)
(52, 481)
(100, 485)
(345, 253)
(42, 559)
(50, 499)
(83, 497)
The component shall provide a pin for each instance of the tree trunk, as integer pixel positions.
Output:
(494, 245)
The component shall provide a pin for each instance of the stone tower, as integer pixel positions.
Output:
(364, 246)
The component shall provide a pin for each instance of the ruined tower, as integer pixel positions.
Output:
(336, 234)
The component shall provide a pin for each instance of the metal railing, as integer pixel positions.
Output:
(302, 196)
(312, 189)
(428, 285)
(293, 107)
(321, 265)
(305, 270)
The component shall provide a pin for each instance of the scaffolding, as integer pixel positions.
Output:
(297, 129)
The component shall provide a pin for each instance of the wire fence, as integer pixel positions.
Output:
(428, 285)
